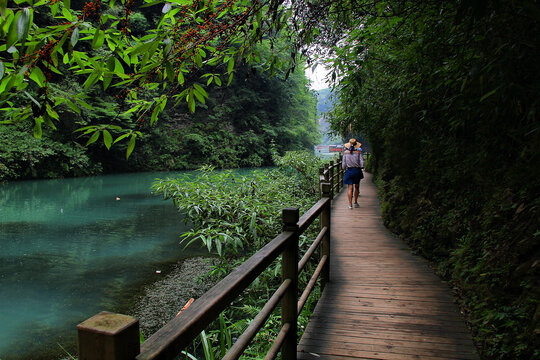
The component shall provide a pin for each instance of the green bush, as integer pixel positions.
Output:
(28, 157)
(234, 216)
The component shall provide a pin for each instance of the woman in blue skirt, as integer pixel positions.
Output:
(353, 163)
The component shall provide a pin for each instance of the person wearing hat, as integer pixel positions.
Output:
(353, 163)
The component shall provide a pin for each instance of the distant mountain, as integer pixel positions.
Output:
(325, 103)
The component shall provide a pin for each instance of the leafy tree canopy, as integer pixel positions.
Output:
(109, 44)
(447, 94)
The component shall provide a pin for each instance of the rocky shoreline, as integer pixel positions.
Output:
(163, 299)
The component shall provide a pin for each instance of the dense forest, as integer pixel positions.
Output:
(234, 125)
(445, 92)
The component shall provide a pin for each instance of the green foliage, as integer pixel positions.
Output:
(446, 92)
(138, 23)
(27, 157)
(301, 164)
(189, 46)
(236, 127)
(231, 129)
(214, 344)
(235, 216)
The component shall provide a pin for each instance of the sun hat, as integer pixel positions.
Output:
(352, 142)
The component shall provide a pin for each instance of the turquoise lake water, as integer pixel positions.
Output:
(70, 249)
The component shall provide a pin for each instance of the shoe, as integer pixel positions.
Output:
(350, 207)
(356, 205)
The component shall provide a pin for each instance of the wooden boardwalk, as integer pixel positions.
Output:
(382, 302)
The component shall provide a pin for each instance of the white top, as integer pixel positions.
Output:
(351, 160)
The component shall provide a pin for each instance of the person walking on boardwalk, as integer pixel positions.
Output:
(353, 163)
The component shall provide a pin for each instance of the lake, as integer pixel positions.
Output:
(71, 248)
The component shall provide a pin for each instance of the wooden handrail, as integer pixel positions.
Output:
(171, 339)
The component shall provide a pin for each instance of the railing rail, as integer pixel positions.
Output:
(333, 174)
(109, 336)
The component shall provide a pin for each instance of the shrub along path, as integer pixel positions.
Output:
(382, 302)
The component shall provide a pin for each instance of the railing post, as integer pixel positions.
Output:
(289, 270)
(321, 173)
(108, 336)
(340, 172)
(326, 172)
(325, 246)
(331, 176)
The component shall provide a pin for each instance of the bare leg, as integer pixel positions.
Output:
(350, 194)
(356, 192)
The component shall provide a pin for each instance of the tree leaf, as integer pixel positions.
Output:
(67, 4)
(123, 136)
(218, 246)
(38, 131)
(107, 139)
(131, 145)
(75, 37)
(93, 138)
(191, 101)
(107, 78)
(12, 32)
(118, 68)
(2, 70)
(67, 14)
(54, 8)
(38, 76)
(180, 77)
(198, 60)
(73, 106)
(92, 79)
(48, 122)
(230, 66)
(23, 23)
(199, 96)
(99, 39)
(169, 71)
(32, 98)
(3, 6)
(166, 8)
(50, 111)
(110, 63)
(155, 113)
(488, 94)
(200, 89)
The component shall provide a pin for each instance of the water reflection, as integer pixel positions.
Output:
(71, 248)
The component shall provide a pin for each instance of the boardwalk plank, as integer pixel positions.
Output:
(382, 301)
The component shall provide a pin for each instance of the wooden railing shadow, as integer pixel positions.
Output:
(108, 336)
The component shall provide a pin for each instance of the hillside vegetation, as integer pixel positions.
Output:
(447, 93)
(86, 84)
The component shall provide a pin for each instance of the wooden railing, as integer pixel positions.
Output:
(108, 336)
(333, 174)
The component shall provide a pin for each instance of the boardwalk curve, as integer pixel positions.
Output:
(382, 302)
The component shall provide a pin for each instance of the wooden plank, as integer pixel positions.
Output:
(382, 352)
(382, 302)
(389, 346)
(382, 334)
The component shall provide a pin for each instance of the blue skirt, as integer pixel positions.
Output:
(353, 176)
